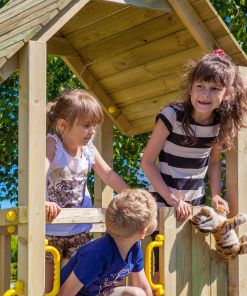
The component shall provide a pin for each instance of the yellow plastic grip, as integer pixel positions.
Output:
(56, 283)
(19, 289)
(159, 242)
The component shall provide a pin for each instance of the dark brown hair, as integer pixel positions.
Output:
(230, 114)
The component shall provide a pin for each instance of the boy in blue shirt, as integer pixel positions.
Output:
(99, 265)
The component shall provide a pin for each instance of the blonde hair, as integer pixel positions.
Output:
(72, 105)
(129, 212)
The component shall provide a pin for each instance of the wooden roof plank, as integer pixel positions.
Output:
(216, 28)
(22, 30)
(159, 48)
(10, 4)
(9, 67)
(142, 125)
(3, 60)
(90, 14)
(239, 59)
(12, 49)
(62, 4)
(134, 37)
(229, 44)
(147, 71)
(203, 10)
(194, 24)
(17, 9)
(119, 22)
(89, 82)
(151, 4)
(149, 89)
(152, 105)
(60, 20)
(27, 16)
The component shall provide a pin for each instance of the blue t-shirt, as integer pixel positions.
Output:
(98, 265)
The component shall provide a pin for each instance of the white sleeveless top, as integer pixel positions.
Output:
(66, 185)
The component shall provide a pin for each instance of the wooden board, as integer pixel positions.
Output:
(119, 22)
(149, 89)
(157, 68)
(90, 14)
(27, 15)
(139, 55)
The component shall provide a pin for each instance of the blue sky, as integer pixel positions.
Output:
(6, 204)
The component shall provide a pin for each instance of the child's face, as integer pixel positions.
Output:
(80, 133)
(206, 97)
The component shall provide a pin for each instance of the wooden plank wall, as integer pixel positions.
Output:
(190, 265)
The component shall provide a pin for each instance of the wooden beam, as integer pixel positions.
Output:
(60, 20)
(236, 172)
(9, 67)
(5, 259)
(32, 133)
(152, 4)
(61, 47)
(90, 83)
(104, 143)
(76, 215)
(194, 24)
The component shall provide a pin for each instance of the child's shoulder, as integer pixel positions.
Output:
(172, 112)
(174, 107)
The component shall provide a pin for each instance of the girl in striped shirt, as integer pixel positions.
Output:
(189, 136)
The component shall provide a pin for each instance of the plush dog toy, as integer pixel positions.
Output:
(228, 245)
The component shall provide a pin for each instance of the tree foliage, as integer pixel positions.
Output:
(234, 13)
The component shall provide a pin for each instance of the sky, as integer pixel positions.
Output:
(6, 204)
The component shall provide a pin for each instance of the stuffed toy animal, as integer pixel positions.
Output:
(228, 245)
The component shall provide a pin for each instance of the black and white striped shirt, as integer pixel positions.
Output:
(183, 165)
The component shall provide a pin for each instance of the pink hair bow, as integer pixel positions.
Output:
(220, 52)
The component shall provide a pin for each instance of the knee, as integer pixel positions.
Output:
(140, 292)
(136, 292)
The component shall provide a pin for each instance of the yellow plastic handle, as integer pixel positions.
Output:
(159, 242)
(56, 283)
(9, 293)
(19, 289)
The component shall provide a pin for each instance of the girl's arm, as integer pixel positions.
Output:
(51, 208)
(71, 286)
(154, 146)
(139, 279)
(107, 174)
(214, 174)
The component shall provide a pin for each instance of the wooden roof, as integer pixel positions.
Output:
(130, 53)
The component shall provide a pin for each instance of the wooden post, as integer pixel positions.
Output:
(32, 131)
(236, 183)
(104, 143)
(5, 260)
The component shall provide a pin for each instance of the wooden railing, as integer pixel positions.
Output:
(189, 264)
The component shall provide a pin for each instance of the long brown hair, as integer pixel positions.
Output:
(219, 68)
(71, 105)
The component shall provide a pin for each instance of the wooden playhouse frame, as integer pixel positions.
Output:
(191, 27)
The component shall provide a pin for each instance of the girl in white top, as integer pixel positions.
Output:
(70, 155)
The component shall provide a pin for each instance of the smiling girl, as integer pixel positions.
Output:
(189, 136)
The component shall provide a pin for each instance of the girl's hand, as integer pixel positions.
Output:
(183, 210)
(51, 210)
(217, 200)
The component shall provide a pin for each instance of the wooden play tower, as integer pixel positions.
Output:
(130, 54)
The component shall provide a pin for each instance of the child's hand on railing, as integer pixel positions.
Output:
(51, 210)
